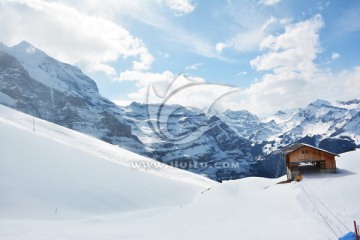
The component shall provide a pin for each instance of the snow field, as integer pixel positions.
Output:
(59, 184)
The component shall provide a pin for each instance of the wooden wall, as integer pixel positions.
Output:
(310, 154)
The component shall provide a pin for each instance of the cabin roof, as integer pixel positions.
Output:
(296, 146)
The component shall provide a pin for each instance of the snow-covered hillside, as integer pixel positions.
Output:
(57, 173)
(59, 184)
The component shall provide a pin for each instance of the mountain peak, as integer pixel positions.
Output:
(23, 44)
(320, 103)
(51, 72)
(25, 47)
(240, 114)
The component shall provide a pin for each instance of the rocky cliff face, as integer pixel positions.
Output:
(249, 125)
(218, 151)
(228, 145)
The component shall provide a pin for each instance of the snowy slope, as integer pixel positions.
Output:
(258, 208)
(58, 173)
(97, 195)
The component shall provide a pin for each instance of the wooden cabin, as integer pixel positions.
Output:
(298, 153)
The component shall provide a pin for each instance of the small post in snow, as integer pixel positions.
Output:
(356, 231)
(33, 124)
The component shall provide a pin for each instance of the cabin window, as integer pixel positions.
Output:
(304, 151)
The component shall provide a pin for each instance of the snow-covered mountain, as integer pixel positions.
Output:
(320, 119)
(233, 144)
(333, 126)
(34, 83)
(249, 125)
(218, 152)
(56, 183)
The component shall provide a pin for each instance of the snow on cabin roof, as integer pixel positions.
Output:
(296, 146)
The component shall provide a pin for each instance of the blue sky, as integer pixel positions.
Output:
(278, 54)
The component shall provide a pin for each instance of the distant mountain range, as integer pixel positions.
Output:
(233, 144)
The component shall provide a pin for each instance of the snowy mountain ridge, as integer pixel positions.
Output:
(56, 75)
(322, 120)
(328, 119)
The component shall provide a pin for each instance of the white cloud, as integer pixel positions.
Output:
(294, 50)
(248, 40)
(335, 56)
(153, 13)
(241, 73)
(270, 2)
(187, 91)
(98, 67)
(159, 81)
(70, 35)
(144, 78)
(219, 47)
(122, 102)
(194, 66)
(180, 7)
(164, 55)
(292, 78)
